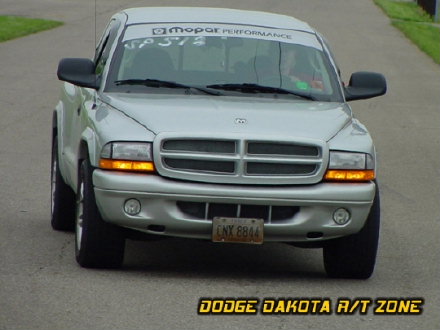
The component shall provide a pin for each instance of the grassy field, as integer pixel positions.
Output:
(12, 27)
(416, 24)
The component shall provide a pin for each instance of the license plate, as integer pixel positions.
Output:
(237, 230)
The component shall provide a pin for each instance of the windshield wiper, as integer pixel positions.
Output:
(255, 88)
(156, 83)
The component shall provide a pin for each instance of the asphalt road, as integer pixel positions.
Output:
(41, 286)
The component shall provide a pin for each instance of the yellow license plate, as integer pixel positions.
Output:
(238, 230)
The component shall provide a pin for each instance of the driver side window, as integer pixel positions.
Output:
(103, 50)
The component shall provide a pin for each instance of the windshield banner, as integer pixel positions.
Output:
(221, 30)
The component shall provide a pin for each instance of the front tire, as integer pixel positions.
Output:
(354, 256)
(62, 196)
(98, 244)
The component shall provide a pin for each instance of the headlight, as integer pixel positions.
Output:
(350, 166)
(127, 156)
(350, 161)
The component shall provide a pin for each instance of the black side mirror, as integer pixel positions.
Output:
(78, 71)
(365, 85)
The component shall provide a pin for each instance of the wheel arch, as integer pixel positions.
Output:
(88, 148)
(54, 123)
(56, 126)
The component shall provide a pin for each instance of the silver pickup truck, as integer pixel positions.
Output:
(214, 124)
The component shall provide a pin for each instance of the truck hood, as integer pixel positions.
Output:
(230, 114)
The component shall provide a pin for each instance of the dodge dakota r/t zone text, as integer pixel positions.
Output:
(214, 124)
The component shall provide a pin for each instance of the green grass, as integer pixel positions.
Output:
(415, 23)
(12, 27)
(403, 10)
(426, 37)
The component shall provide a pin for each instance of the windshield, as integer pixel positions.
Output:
(223, 58)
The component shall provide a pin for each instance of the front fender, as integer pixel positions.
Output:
(57, 130)
(89, 147)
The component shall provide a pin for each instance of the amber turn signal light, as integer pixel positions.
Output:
(126, 165)
(350, 175)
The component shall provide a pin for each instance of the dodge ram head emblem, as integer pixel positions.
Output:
(240, 121)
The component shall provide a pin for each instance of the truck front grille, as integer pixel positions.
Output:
(255, 168)
(287, 149)
(207, 211)
(240, 161)
(212, 166)
(192, 145)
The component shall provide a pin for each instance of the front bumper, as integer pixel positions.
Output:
(160, 199)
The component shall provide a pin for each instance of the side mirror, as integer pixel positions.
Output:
(365, 85)
(78, 71)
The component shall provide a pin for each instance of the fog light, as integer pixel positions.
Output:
(341, 216)
(132, 206)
